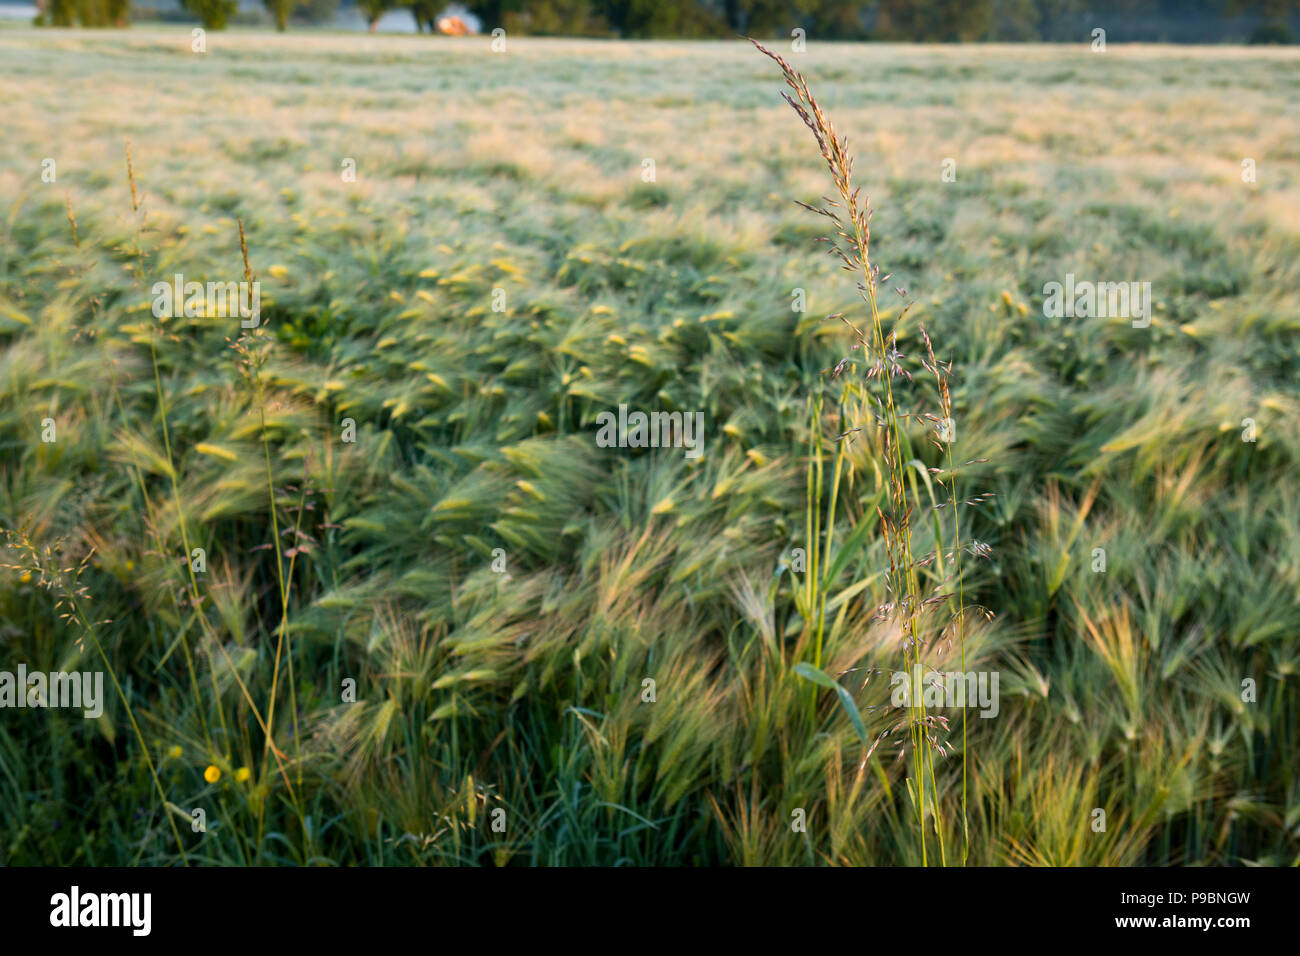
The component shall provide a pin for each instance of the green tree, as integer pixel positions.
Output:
(425, 12)
(86, 13)
(372, 10)
(213, 14)
(62, 13)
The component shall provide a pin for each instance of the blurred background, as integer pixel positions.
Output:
(1164, 21)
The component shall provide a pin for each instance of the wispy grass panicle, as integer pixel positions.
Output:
(46, 564)
(908, 600)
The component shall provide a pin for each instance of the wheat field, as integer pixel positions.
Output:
(429, 602)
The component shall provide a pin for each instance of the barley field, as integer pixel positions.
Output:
(366, 589)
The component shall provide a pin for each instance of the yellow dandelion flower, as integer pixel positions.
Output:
(174, 752)
(242, 774)
(27, 576)
(212, 774)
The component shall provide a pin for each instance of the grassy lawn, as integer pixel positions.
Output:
(535, 237)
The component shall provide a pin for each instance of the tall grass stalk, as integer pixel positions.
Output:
(850, 215)
(256, 356)
(197, 599)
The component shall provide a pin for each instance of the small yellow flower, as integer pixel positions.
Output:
(27, 576)
(242, 774)
(174, 752)
(212, 774)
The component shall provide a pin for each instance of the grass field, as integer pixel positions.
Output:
(498, 274)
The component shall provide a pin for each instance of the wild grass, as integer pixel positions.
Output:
(522, 691)
(909, 604)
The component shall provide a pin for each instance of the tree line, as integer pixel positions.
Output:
(900, 20)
